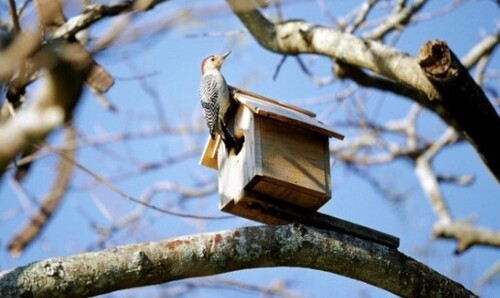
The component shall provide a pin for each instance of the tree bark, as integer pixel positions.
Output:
(214, 253)
(472, 113)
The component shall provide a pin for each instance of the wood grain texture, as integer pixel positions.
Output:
(236, 171)
(293, 164)
(278, 161)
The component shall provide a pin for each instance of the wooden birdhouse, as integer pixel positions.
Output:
(284, 162)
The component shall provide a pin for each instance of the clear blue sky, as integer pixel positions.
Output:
(170, 64)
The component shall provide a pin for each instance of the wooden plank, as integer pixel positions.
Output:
(328, 222)
(252, 210)
(294, 155)
(243, 117)
(289, 193)
(216, 147)
(266, 210)
(236, 171)
(207, 159)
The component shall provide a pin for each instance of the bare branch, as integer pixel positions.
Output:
(17, 51)
(296, 37)
(489, 276)
(54, 103)
(14, 16)
(396, 20)
(277, 288)
(145, 203)
(466, 234)
(96, 12)
(346, 71)
(49, 204)
(428, 179)
(318, 81)
(278, 68)
(472, 113)
(52, 20)
(363, 12)
(136, 265)
(484, 47)
(460, 97)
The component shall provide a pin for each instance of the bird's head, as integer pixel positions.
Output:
(213, 62)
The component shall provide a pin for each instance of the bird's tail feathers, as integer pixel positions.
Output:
(230, 141)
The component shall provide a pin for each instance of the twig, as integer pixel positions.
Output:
(396, 20)
(49, 204)
(317, 80)
(363, 12)
(124, 195)
(482, 48)
(278, 67)
(14, 16)
(466, 235)
(428, 179)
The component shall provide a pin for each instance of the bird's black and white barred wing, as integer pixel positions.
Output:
(208, 97)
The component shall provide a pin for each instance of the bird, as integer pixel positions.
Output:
(215, 100)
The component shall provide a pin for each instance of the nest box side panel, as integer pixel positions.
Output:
(235, 171)
(294, 164)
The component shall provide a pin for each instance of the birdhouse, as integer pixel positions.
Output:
(284, 162)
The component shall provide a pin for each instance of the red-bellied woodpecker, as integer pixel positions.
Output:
(215, 100)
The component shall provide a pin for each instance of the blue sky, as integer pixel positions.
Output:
(170, 65)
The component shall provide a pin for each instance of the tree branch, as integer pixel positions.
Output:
(428, 179)
(466, 235)
(96, 12)
(14, 16)
(50, 203)
(295, 37)
(52, 105)
(483, 48)
(400, 17)
(214, 253)
(473, 114)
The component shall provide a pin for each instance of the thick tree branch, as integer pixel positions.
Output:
(214, 253)
(473, 114)
(295, 37)
(346, 71)
(96, 12)
(52, 105)
(52, 19)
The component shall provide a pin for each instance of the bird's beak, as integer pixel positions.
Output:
(226, 54)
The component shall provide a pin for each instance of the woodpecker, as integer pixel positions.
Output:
(214, 96)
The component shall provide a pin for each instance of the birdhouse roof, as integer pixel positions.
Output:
(274, 109)
(283, 112)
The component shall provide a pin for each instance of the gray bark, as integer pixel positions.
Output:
(206, 254)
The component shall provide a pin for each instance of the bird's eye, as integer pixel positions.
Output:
(212, 59)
